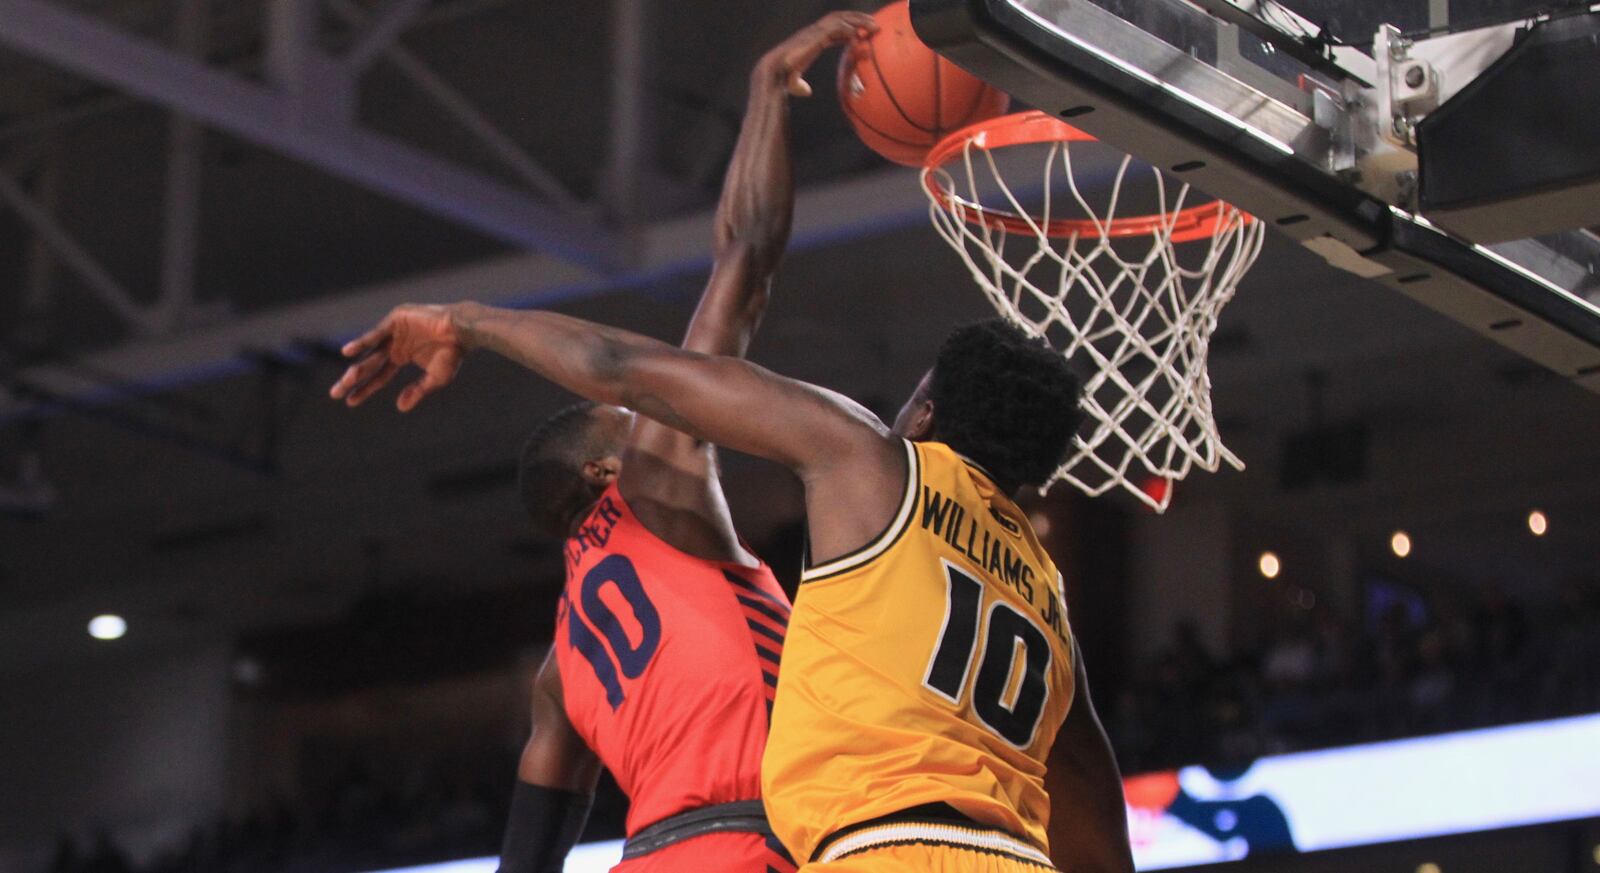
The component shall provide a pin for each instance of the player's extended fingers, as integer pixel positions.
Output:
(350, 378)
(835, 28)
(357, 374)
(370, 340)
(374, 384)
(343, 384)
(414, 393)
(839, 27)
(860, 21)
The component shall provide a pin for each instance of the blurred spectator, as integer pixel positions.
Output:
(1323, 680)
(1502, 629)
(1433, 685)
(1320, 680)
(1290, 662)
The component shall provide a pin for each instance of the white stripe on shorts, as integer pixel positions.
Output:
(983, 840)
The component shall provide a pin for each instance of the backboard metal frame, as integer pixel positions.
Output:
(1278, 160)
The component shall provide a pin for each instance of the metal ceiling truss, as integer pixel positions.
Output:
(511, 155)
(824, 215)
(61, 244)
(298, 113)
(380, 33)
(180, 238)
(305, 110)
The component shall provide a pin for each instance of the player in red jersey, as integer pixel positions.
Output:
(669, 630)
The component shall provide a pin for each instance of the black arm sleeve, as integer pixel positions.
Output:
(544, 825)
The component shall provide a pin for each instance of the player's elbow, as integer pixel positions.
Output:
(608, 360)
(663, 383)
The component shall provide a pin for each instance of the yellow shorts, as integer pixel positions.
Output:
(929, 848)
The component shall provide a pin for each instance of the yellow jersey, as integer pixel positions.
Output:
(932, 665)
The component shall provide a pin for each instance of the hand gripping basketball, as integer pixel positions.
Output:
(789, 60)
(425, 336)
(902, 97)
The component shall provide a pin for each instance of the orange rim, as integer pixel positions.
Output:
(1035, 127)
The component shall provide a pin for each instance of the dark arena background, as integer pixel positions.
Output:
(246, 629)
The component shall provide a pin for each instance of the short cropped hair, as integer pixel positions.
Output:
(550, 469)
(1005, 400)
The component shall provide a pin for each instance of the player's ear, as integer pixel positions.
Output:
(602, 471)
(921, 426)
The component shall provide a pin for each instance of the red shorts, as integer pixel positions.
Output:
(726, 852)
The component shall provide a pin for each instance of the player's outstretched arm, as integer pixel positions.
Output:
(1088, 814)
(756, 209)
(722, 400)
(845, 455)
(671, 481)
(555, 785)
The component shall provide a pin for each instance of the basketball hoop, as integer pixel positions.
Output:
(1089, 285)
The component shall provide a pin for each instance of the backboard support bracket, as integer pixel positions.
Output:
(1309, 46)
(1146, 96)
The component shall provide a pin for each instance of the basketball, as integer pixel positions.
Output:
(903, 98)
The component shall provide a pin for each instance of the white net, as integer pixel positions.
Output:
(1134, 300)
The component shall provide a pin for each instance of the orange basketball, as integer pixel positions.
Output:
(902, 97)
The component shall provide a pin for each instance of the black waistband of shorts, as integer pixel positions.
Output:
(933, 815)
(744, 816)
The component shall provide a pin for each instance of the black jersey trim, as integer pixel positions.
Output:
(891, 534)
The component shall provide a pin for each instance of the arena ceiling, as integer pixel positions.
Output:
(196, 479)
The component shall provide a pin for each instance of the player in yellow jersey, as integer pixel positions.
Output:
(932, 710)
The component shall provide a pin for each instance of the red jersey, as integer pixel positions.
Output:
(668, 664)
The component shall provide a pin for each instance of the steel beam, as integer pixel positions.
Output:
(180, 234)
(824, 216)
(629, 142)
(181, 206)
(47, 120)
(75, 258)
(291, 42)
(263, 115)
(39, 288)
(457, 106)
(380, 33)
(313, 84)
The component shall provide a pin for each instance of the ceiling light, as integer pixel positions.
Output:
(107, 627)
(1400, 544)
(1269, 565)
